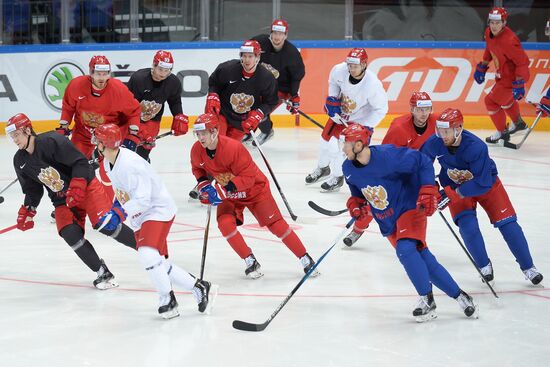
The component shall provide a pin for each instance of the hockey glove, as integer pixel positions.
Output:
(427, 199)
(518, 89)
(333, 106)
(63, 128)
(110, 220)
(132, 140)
(24, 217)
(253, 120)
(212, 104)
(544, 106)
(180, 125)
(358, 207)
(76, 194)
(479, 74)
(293, 104)
(216, 194)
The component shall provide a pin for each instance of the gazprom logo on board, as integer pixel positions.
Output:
(56, 80)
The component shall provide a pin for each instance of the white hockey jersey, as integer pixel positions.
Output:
(139, 189)
(365, 103)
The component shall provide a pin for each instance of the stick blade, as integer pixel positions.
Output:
(247, 326)
(510, 145)
(330, 213)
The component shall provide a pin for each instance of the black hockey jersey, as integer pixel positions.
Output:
(286, 64)
(240, 95)
(54, 162)
(148, 91)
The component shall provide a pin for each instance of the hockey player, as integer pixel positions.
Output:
(354, 94)
(142, 196)
(511, 73)
(410, 131)
(152, 87)
(284, 60)
(397, 187)
(469, 176)
(241, 93)
(544, 104)
(50, 161)
(96, 99)
(238, 184)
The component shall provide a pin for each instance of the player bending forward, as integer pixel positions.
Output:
(238, 184)
(397, 187)
(141, 195)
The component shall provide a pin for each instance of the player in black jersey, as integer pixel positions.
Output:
(284, 60)
(242, 93)
(152, 87)
(51, 161)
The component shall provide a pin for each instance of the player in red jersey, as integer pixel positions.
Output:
(238, 184)
(511, 73)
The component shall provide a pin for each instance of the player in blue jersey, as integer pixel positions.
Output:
(469, 176)
(397, 187)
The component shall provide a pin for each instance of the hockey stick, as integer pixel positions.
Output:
(303, 114)
(508, 144)
(205, 241)
(292, 215)
(7, 229)
(466, 252)
(330, 213)
(5, 188)
(247, 326)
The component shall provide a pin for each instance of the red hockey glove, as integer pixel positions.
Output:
(212, 104)
(427, 199)
(24, 218)
(180, 125)
(76, 192)
(253, 120)
(293, 105)
(357, 207)
(63, 128)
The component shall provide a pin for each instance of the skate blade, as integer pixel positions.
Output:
(329, 191)
(212, 295)
(314, 274)
(425, 318)
(255, 274)
(170, 314)
(107, 285)
(491, 283)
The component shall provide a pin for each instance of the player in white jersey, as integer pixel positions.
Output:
(355, 94)
(142, 196)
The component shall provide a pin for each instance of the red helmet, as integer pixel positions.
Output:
(206, 121)
(420, 99)
(163, 59)
(357, 56)
(109, 135)
(450, 118)
(355, 132)
(498, 14)
(19, 121)
(99, 63)
(279, 25)
(252, 46)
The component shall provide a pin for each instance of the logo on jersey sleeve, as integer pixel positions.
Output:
(348, 105)
(224, 178)
(122, 196)
(92, 119)
(459, 176)
(273, 71)
(149, 109)
(377, 196)
(241, 102)
(51, 178)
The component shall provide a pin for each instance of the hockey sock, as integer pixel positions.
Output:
(513, 111)
(324, 153)
(469, 230)
(517, 243)
(73, 235)
(228, 228)
(153, 264)
(498, 116)
(126, 236)
(337, 158)
(414, 265)
(178, 276)
(439, 276)
(282, 230)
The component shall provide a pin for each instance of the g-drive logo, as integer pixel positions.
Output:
(56, 80)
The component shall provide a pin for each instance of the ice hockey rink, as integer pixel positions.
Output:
(357, 313)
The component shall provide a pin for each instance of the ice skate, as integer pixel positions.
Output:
(467, 305)
(425, 308)
(533, 275)
(307, 262)
(333, 184)
(514, 127)
(487, 272)
(494, 139)
(205, 294)
(252, 267)
(169, 310)
(316, 175)
(105, 279)
(351, 238)
(262, 138)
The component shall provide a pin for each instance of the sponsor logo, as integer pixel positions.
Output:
(402, 230)
(347, 177)
(439, 156)
(56, 80)
(503, 210)
(23, 166)
(232, 81)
